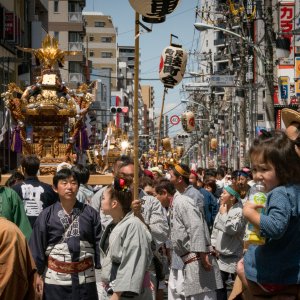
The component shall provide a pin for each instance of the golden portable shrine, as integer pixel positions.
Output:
(115, 144)
(48, 117)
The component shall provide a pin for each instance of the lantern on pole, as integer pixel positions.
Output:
(154, 11)
(172, 65)
(179, 151)
(188, 121)
(166, 144)
(213, 143)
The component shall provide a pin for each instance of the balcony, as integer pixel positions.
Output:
(75, 46)
(220, 41)
(75, 77)
(222, 56)
(220, 22)
(75, 17)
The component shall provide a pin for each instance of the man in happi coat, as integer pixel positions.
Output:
(65, 244)
(194, 273)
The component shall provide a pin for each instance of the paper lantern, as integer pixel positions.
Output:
(166, 144)
(179, 151)
(154, 11)
(213, 144)
(172, 65)
(188, 121)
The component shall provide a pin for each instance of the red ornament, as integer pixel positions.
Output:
(122, 183)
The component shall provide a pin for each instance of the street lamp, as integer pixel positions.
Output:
(203, 27)
(194, 102)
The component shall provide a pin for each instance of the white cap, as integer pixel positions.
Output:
(63, 165)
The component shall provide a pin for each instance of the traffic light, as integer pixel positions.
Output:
(182, 136)
(119, 109)
(144, 136)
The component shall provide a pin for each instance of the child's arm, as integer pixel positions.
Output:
(251, 214)
(274, 223)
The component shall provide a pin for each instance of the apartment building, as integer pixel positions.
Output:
(22, 24)
(101, 45)
(67, 25)
(127, 54)
(148, 99)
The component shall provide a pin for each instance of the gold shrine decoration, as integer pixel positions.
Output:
(49, 54)
(172, 65)
(43, 110)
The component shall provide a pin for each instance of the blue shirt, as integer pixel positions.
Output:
(278, 260)
(211, 206)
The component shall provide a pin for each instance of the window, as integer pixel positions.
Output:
(91, 53)
(91, 38)
(260, 117)
(74, 37)
(106, 54)
(74, 6)
(206, 43)
(99, 24)
(56, 35)
(55, 6)
(106, 39)
(74, 67)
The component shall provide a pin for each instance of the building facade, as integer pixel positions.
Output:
(101, 44)
(67, 25)
(23, 23)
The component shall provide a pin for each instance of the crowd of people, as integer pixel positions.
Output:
(184, 234)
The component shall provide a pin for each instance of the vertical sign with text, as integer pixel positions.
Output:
(284, 89)
(297, 76)
(286, 25)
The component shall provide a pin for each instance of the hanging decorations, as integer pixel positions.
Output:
(179, 151)
(213, 143)
(188, 121)
(154, 11)
(166, 144)
(172, 65)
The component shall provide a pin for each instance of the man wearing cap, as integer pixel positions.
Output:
(291, 120)
(157, 173)
(150, 211)
(190, 243)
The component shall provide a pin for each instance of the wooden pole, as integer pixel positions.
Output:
(159, 124)
(136, 107)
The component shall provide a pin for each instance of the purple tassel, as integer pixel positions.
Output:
(16, 142)
(82, 140)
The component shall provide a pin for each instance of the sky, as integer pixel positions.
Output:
(179, 23)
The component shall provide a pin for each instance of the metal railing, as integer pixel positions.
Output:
(75, 17)
(75, 77)
(75, 46)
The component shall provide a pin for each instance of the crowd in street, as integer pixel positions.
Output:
(184, 235)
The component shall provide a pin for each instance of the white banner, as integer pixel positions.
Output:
(4, 127)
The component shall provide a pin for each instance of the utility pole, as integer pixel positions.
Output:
(269, 68)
